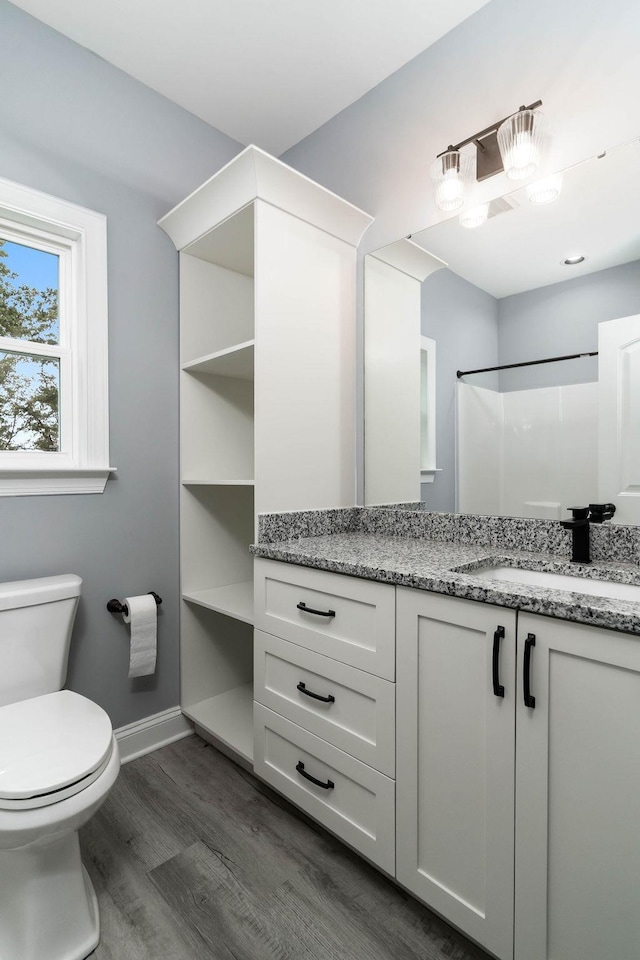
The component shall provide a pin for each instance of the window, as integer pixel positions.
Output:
(53, 345)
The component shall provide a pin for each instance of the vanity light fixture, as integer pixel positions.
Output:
(451, 172)
(475, 217)
(511, 144)
(546, 190)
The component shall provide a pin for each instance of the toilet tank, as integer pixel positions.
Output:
(36, 619)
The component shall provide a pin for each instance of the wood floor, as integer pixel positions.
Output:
(192, 858)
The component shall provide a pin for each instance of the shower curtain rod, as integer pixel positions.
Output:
(526, 363)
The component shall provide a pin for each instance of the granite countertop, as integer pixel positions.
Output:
(448, 568)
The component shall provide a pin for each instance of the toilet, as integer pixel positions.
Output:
(58, 761)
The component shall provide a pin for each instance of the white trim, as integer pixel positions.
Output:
(36, 483)
(428, 476)
(144, 736)
(254, 174)
(409, 258)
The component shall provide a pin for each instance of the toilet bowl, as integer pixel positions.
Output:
(48, 908)
(58, 761)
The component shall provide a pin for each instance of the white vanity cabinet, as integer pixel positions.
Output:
(324, 716)
(455, 761)
(578, 793)
(529, 799)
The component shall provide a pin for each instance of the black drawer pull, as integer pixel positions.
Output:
(329, 785)
(530, 642)
(319, 613)
(498, 689)
(316, 696)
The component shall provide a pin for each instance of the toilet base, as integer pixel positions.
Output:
(48, 907)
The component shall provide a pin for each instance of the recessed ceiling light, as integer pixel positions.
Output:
(570, 261)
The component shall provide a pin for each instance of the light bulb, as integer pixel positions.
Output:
(451, 173)
(474, 217)
(546, 190)
(519, 140)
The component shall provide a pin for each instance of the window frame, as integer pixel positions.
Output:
(79, 237)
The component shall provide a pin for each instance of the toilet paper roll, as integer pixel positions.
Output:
(143, 621)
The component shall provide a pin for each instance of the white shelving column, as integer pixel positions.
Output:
(267, 348)
(393, 279)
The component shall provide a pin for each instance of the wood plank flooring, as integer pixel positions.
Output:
(192, 858)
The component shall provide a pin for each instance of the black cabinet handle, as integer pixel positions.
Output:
(530, 642)
(329, 785)
(318, 613)
(498, 689)
(316, 696)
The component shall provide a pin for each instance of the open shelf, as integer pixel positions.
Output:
(216, 308)
(236, 362)
(228, 717)
(229, 244)
(218, 483)
(234, 600)
(217, 427)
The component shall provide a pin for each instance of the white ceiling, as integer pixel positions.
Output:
(596, 216)
(267, 72)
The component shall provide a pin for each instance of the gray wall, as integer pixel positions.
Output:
(562, 319)
(76, 127)
(463, 320)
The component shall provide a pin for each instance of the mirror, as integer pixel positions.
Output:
(530, 439)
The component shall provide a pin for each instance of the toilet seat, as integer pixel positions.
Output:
(51, 747)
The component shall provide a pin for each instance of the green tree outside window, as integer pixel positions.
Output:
(29, 384)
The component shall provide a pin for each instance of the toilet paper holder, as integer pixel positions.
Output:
(114, 606)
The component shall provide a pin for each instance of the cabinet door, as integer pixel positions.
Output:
(455, 762)
(578, 794)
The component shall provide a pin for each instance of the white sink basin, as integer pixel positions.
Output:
(562, 581)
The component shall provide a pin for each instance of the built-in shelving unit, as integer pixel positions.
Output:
(267, 334)
(217, 470)
(397, 434)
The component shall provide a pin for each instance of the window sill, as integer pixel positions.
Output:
(24, 482)
(427, 474)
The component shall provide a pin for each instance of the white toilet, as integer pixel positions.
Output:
(58, 761)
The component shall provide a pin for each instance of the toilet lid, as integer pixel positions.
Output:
(49, 742)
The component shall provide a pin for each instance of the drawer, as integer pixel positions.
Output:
(357, 802)
(360, 719)
(354, 620)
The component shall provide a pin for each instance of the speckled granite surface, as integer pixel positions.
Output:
(307, 523)
(609, 542)
(445, 563)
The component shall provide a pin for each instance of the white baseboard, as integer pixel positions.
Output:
(151, 733)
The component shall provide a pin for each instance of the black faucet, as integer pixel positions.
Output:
(580, 528)
(582, 517)
(599, 512)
